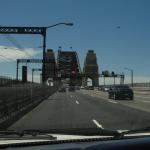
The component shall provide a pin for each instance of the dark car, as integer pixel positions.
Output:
(77, 87)
(105, 88)
(62, 89)
(89, 88)
(71, 88)
(120, 92)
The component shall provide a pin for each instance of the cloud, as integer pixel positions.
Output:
(12, 53)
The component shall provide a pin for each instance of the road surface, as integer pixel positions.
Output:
(86, 109)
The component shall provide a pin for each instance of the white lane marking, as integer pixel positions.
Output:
(146, 101)
(111, 101)
(77, 102)
(96, 95)
(97, 124)
(143, 101)
(143, 97)
(140, 92)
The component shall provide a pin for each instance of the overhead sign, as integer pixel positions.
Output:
(23, 30)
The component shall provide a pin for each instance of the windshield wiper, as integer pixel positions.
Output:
(81, 132)
(25, 134)
(46, 134)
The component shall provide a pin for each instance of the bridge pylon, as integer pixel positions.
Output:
(50, 65)
(90, 69)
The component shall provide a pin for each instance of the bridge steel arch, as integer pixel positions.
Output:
(69, 67)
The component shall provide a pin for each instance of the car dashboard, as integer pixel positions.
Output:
(122, 144)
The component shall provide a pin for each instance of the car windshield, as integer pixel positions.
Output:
(60, 60)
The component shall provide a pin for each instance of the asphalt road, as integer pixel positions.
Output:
(86, 109)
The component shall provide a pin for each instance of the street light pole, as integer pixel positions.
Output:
(132, 77)
(17, 71)
(114, 80)
(44, 50)
(104, 80)
(44, 45)
(131, 70)
(32, 74)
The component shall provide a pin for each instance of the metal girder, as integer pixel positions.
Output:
(111, 76)
(29, 60)
(23, 30)
(68, 63)
(36, 69)
(33, 61)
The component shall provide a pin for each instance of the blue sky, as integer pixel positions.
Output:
(95, 23)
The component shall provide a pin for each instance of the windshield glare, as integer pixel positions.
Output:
(62, 61)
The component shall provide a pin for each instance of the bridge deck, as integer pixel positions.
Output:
(86, 109)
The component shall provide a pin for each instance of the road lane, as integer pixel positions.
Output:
(61, 111)
(113, 116)
(139, 103)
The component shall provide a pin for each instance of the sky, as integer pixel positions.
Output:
(95, 27)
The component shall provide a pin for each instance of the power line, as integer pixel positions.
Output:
(9, 55)
(7, 58)
(15, 43)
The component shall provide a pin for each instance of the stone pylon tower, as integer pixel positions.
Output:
(50, 65)
(90, 69)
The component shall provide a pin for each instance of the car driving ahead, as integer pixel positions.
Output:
(62, 89)
(120, 92)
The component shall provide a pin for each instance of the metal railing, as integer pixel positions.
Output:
(8, 81)
(16, 99)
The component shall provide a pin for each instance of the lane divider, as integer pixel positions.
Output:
(144, 101)
(142, 97)
(112, 101)
(97, 95)
(97, 124)
(77, 102)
